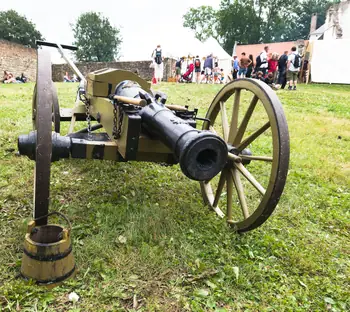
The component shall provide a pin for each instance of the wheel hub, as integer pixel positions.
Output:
(234, 150)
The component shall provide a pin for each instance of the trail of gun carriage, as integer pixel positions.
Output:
(204, 192)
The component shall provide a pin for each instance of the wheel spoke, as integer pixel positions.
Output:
(234, 157)
(252, 137)
(250, 178)
(220, 188)
(229, 186)
(224, 120)
(234, 119)
(262, 158)
(242, 128)
(240, 192)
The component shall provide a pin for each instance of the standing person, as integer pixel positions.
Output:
(208, 67)
(158, 63)
(293, 66)
(197, 68)
(250, 67)
(261, 61)
(178, 66)
(273, 64)
(235, 67)
(282, 66)
(243, 64)
(202, 76)
(216, 71)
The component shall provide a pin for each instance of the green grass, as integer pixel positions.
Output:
(178, 256)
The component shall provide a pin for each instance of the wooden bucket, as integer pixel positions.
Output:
(47, 253)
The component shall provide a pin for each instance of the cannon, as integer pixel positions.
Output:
(243, 142)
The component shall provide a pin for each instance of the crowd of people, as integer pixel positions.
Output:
(10, 78)
(275, 70)
(204, 72)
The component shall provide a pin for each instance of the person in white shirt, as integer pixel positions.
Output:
(261, 62)
(158, 63)
(293, 66)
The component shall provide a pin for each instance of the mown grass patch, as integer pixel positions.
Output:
(141, 232)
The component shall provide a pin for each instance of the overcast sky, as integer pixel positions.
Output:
(143, 24)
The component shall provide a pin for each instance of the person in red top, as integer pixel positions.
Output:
(273, 64)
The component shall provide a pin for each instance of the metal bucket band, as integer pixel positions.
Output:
(52, 257)
(53, 281)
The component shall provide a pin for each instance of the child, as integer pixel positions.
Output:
(216, 73)
(203, 77)
(260, 76)
(222, 76)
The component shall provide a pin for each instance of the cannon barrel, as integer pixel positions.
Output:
(201, 154)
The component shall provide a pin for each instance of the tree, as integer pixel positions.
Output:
(235, 24)
(304, 13)
(203, 20)
(96, 38)
(16, 28)
(256, 21)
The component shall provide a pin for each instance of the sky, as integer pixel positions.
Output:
(143, 24)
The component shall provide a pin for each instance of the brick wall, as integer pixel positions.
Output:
(59, 70)
(17, 59)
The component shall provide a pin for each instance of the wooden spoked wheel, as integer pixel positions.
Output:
(247, 114)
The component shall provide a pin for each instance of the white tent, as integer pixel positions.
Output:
(187, 45)
(323, 68)
(224, 59)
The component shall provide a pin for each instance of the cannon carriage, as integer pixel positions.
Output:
(243, 142)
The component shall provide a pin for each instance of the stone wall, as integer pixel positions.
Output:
(17, 59)
(145, 72)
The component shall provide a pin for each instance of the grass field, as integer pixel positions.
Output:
(143, 238)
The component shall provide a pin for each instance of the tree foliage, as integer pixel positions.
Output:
(96, 38)
(16, 28)
(256, 21)
(304, 12)
(203, 20)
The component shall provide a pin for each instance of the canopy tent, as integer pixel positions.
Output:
(189, 47)
(323, 69)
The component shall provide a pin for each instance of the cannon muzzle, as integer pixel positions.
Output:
(201, 154)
